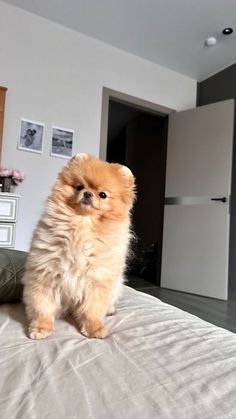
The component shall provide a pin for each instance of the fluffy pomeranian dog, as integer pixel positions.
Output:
(79, 247)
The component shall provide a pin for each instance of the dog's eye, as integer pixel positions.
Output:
(79, 188)
(103, 195)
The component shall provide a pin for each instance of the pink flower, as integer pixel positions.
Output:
(18, 175)
(6, 172)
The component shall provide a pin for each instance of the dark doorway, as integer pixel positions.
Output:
(138, 138)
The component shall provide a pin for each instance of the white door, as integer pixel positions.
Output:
(198, 184)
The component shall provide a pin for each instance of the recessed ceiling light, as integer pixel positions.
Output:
(227, 31)
(210, 41)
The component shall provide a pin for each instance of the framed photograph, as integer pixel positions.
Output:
(62, 142)
(31, 136)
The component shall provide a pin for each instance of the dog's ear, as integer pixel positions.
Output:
(126, 171)
(127, 174)
(79, 157)
(71, 160)
(128, 180)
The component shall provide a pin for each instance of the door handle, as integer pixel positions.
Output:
(224, 199)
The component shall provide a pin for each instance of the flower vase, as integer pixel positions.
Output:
(5, 183)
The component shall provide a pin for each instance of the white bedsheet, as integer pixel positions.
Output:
(159, 362)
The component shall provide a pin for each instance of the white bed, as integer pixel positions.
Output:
(159, 362)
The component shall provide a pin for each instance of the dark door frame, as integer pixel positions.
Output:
(143, 105)
(107, 95)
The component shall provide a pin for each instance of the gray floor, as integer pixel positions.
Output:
(220, 313)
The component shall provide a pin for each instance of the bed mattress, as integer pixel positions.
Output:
(158, 362)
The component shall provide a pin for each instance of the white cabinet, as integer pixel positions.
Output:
(8, 218)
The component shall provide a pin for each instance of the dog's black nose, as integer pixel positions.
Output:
(88, 195)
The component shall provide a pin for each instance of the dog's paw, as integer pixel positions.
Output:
(98, 333)
(39, 332)
(111, 311)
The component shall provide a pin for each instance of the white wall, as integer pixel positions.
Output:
(55, 75)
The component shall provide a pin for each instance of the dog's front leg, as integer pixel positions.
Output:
(92, 311)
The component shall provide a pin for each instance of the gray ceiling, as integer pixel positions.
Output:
(167, 32)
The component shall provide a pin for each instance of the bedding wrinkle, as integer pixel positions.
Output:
(29, 399)
(4, 325)
(121, 321)
(88, 361)
(85, 390)
(126, 356)
(11, 356)
(134, 365)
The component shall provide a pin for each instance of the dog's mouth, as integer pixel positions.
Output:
(87, 201)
